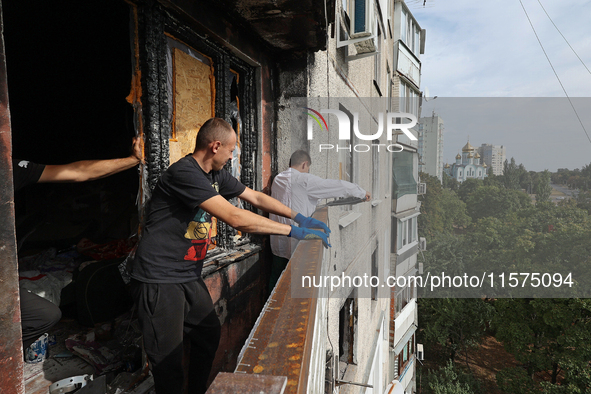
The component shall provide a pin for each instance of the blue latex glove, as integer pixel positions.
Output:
(306, 233)
(309, 222)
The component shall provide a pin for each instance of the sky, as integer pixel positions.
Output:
(488, 50)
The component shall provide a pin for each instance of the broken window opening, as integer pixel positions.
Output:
(348, 331)
(199, 80)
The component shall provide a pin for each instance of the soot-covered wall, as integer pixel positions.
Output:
(69, 68)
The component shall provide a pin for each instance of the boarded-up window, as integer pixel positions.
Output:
(193, 86)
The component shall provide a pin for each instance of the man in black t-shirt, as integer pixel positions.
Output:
(38, 315)
(170, 294)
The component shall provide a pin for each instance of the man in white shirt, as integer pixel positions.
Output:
(301, 191)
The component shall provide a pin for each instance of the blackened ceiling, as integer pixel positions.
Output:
(283, 24)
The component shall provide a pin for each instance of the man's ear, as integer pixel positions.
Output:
(215, 146)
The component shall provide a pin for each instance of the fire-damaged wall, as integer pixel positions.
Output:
(186, 68)
(11, 372)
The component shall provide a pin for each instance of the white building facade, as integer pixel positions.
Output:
(493, 156)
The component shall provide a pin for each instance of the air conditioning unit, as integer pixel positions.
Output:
(420, 352)
(422, 188)
(422, 244)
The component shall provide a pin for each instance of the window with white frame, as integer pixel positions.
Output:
(409, 98)
(407, 232)
(410, 32)
(403, 296)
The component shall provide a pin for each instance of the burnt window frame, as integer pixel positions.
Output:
(155, 25)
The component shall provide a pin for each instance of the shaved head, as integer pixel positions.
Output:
(215, 129)
(298, 157)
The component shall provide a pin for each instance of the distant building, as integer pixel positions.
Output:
(467, 165)
(431, 145)
(493, 156)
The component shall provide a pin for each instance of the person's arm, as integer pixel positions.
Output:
(249, 222)
(88, 170)
(272, 205)
(333, 188)
(243, 220)
(266, 203)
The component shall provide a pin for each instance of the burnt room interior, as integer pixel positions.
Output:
(69, 71)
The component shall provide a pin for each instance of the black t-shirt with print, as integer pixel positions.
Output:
(25, 173)
(177, 232)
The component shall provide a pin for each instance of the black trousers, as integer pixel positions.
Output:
(37, 316)
(166, 313)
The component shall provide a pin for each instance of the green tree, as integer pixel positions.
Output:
(456, 324)
(511, 174)
(542, 186)
(441, 209)
(546, 335)
(453, 211)
(430, 222)
(450, 380)
(450, 183)
(468, 187)
(493, 201)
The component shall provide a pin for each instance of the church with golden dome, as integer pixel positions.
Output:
(467, 165)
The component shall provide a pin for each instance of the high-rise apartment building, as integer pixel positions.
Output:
(493, 156)
(431, 145)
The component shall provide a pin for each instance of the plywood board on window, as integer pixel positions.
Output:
(193, 84)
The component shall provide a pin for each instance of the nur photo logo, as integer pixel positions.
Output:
(392, 123)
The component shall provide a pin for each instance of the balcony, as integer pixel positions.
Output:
(285, 352)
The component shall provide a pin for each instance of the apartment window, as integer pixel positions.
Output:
(407, 232)
(375, 160)
(409, 99)
(403, 297)
(348, 331)
(374, 273)
(403, 174)
(405, 355)
(410, 33)
(227, 89)
(403, 20)
(346, 154)
(378, 63)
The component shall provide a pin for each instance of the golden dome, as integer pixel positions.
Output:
(468, 148)
(447, 166)
(470, 155)
(484, 165)
(477, 156)
(458, 156)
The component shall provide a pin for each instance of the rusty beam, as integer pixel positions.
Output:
(281, 344)
(11, 353)
(230, 383)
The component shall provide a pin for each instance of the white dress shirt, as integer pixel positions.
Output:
(301, 192)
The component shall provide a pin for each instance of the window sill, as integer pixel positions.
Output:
(407, 247)
(348, 219)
